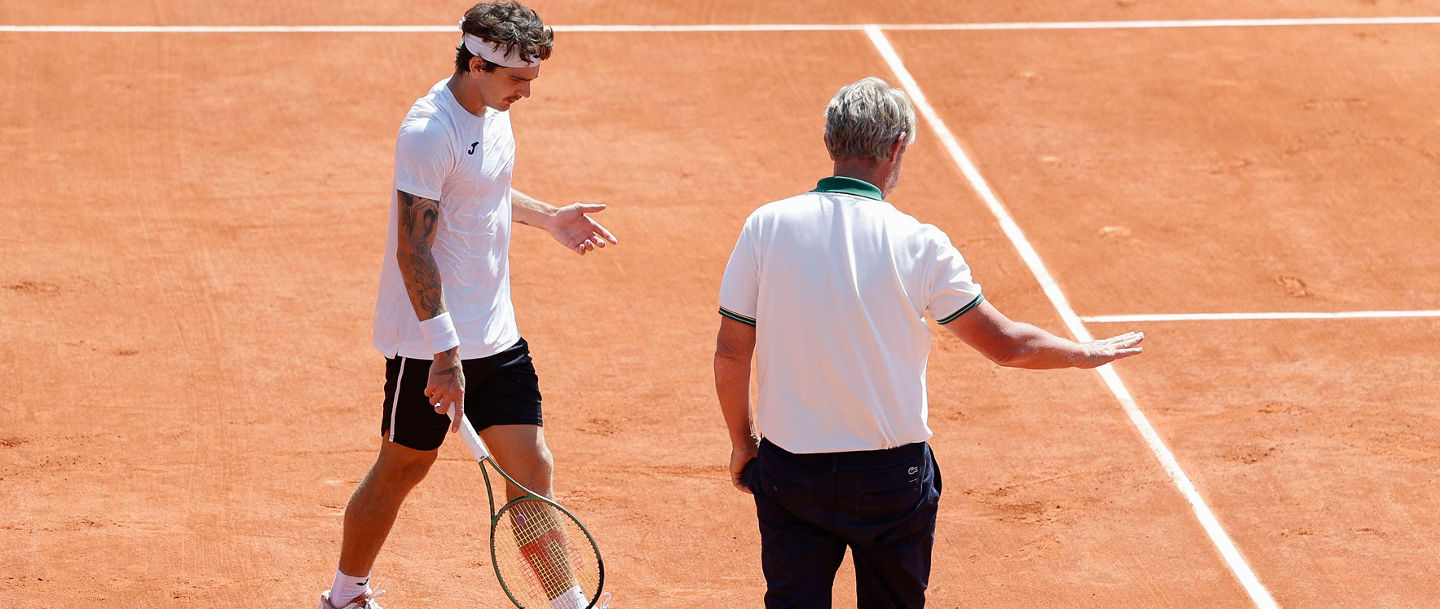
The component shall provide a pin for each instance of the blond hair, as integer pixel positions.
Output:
(865, 118)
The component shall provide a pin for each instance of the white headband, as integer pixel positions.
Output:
(490, 51)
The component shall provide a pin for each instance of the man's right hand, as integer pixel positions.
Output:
(741, 456)
(446, 387)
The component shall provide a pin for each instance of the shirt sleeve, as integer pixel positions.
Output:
(952, 290)
(740, 288)
(422, 158)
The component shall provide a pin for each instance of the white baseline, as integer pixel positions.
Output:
(1231, 554)
(1106, 319)
(758, 27)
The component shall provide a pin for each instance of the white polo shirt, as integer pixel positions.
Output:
(447, 154)
(837, 283)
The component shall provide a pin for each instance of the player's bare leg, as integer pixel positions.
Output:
(376, 501)
(521, 452)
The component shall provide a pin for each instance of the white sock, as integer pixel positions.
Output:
(570, 599)
(347, 587)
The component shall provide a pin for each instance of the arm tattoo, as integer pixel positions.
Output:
(418, 217)
(448, 374)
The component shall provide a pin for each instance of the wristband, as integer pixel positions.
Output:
(440, 333)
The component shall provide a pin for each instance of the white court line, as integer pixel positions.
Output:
(1231, 554)
(226, 29)
(1017, 25)
(759, 27)
(1103, 319)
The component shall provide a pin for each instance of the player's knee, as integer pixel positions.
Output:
(536, 470)
(542, 464)
(413, 473)
(402, 468)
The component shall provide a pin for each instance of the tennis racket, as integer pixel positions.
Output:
(543, 557)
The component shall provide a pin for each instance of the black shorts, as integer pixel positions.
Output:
(501, 389)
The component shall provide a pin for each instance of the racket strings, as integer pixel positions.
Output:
(544, 557)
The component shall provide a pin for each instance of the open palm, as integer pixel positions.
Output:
(574, 229)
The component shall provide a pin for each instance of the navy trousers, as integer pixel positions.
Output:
(880, 504)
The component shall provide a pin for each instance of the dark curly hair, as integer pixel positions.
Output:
(509, 23)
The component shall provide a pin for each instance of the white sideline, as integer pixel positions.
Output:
(759, 27)
(1207, 519)
(1105, 319)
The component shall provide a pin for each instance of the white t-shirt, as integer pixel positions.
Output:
(837, 283)
(447, 154)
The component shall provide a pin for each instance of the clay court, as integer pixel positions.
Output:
(195, 212)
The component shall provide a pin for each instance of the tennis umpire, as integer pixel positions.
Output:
(828, 291)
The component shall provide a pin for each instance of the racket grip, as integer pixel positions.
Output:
(472, 439)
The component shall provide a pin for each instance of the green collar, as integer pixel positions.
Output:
(849, 186)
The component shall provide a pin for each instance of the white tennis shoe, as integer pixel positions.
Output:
(367, 601)
(569, 603)
(364, 601)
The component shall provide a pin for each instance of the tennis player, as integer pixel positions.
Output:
(444, 318)
(829, 291)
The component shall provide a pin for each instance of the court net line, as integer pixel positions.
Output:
(1202, 512)
(741, 27)
(1143, 317)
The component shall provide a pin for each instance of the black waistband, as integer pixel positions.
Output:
(851, 460)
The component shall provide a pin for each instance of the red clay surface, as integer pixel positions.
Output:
(667, 12)
(193, 229)
(1208, 170)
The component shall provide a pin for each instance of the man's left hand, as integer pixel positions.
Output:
(573, 228)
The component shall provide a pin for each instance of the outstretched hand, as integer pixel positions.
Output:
(1106, 350)
(574, 229)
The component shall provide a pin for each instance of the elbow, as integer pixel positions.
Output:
(730, 361)
(728, 369)
(1016, 355)
(405, 255)
(1007, 358)
(725, 356)
(734, 348)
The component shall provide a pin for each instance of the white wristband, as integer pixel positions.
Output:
(440, 333)
(574, 597)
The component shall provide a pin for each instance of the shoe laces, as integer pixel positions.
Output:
(364, 599)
